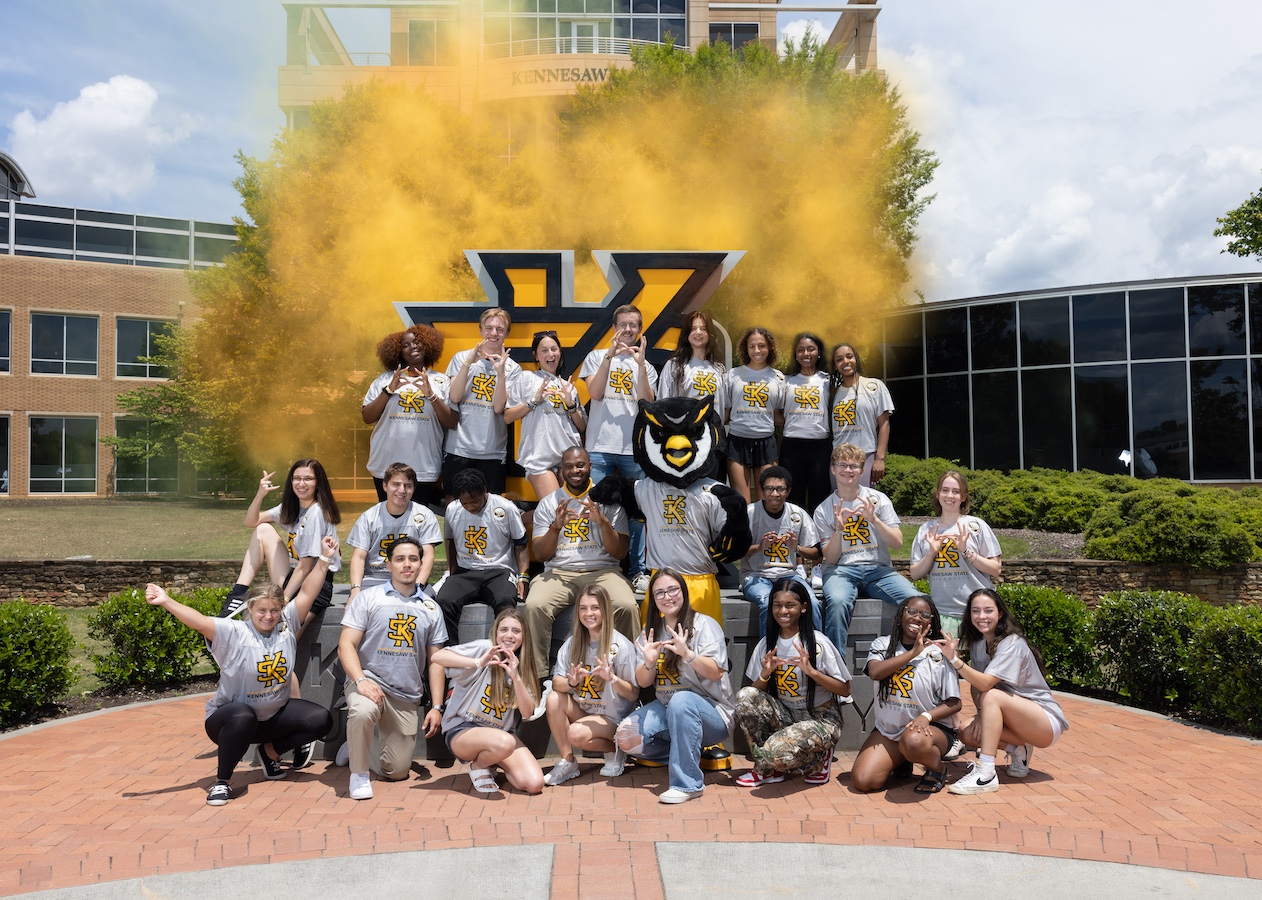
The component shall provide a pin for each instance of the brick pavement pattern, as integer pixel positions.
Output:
(122, 795)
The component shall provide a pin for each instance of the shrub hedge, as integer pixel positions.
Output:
(35, 665)
(1060, 627)
(148, 646)
(1224, 659)
(1142, 639)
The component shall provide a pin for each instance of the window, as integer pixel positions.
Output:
(996, 436)
(93, 239)
(994, 328)
(6, 340)
(948, 418)
(946, 341)
(1044, 333)
(1048, 417)
(433, 42)
(907, 431)
(4, 454)
(903, 346)
(165, 246)
(63, 455)
(1103, 432)
(1220, 419)
(1099, 327)
(1157, 324)
(157, 475)
(734, 34)
(63, 345)
(1216, 319)
(135, 342)
(1159, 401)
(54, 235)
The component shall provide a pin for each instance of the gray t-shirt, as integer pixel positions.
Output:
(547, 431)
(485, 539)
(580, 547)
(856, 411)
(923, 684)
(397, 634)
(806, 406)
(408, 430)
(470, 700)
(779, 560)
(600, 699)
(376, 530)
(613, 417)
(1018, 672)
(679, 525)
(701, 379)
(790, 682)
(753, 396)
(253, 667)
(481, 432)
(952, 577)
(305, 537)
(707, 639)
(860, 542)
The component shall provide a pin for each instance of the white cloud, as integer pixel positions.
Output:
(797, 29)
(103, 144)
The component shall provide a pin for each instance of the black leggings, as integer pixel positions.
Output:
(234, 727)
(807, 461)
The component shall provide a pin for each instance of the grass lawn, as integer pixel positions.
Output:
(81, 654)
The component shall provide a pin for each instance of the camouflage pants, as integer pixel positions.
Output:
(786, 741)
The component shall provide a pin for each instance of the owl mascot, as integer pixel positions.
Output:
(691, 522)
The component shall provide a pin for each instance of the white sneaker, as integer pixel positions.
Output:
(675, 795)
(561, 773)
(615, 763)
(954, 752)
(543, 701)
(973, 783)
(343, 755)
(1019, 761)
(817, 579)
(361, 787)
(433, 589)
(641, 583)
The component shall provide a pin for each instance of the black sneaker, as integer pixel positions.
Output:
(219, 794)
(303, 755)
(271, 767)
(234, 602)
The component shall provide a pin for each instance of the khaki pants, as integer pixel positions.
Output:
(396, 723)
(555, 589)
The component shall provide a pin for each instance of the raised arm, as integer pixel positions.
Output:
(199, 622)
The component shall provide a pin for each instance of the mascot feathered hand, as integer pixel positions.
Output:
(679, 442)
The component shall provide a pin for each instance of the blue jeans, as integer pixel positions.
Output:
(757, 590)
(842, 585)
(677, 733)
(604, 464)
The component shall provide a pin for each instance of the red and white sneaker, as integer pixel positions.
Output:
(823, 776)
(752, 779)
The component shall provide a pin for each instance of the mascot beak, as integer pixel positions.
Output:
(679, 450)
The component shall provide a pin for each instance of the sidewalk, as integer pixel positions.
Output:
(121, 795)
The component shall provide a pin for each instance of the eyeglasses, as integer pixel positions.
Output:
(303, 478)
(917, 614)
(775, 489)
(847, 467)
(668, 592)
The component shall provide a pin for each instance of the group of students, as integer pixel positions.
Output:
(395, 641)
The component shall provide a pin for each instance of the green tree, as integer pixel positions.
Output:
(1244, 226)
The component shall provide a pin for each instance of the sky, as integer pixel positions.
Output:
(1079, 142)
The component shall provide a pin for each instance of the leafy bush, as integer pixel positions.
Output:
(35, 665)
(1142, 639)
(149, 646)
(1225, 663)
(1060, 627)
(1200, 529)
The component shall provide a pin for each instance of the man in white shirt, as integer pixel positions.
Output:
(383, 524)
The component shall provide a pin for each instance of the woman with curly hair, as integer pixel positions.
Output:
(1009, 685)
(807, 441)
(860, 409)
(917, 699)
(695, 369)
(408, 407)
(752, 410)
(791, 714)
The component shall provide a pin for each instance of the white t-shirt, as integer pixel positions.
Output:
(679, 525)
(806, 406)
(860, 544)
(485, 539)
(600, 699)
(855, 411)
(706, 640)
(408, 430)
(612, 418)
(470, 700)
(779, 560)
(376, 530)
(753, 396)
(305, 537)
(580, 546)
(923, 684)
(1018, 673)
(481, 432)
(702, 379)
(790, 683)
(547, 430)
(952, 577)
(397, 634)
(254, 667)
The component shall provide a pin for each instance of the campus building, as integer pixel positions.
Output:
(82, 294)
(1158, 378)
(498, 58)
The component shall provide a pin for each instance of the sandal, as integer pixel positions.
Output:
(931, 782)
(483, 780)
(823, 775)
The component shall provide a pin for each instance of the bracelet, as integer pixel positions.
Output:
(359, 679)
(325, 559)
(523, 578)
(386, 390)
(957, 667)
(532, 405)
(357, 587)
(694, 658)
(928, 716)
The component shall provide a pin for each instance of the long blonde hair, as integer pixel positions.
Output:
(579, 636)
(501, 690)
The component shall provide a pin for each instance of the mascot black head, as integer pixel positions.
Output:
(678, 440)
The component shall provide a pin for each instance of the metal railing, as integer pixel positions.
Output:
(558, 45)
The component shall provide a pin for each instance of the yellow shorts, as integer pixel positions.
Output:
(703, 596)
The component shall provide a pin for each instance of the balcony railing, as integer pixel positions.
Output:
(557, 45)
